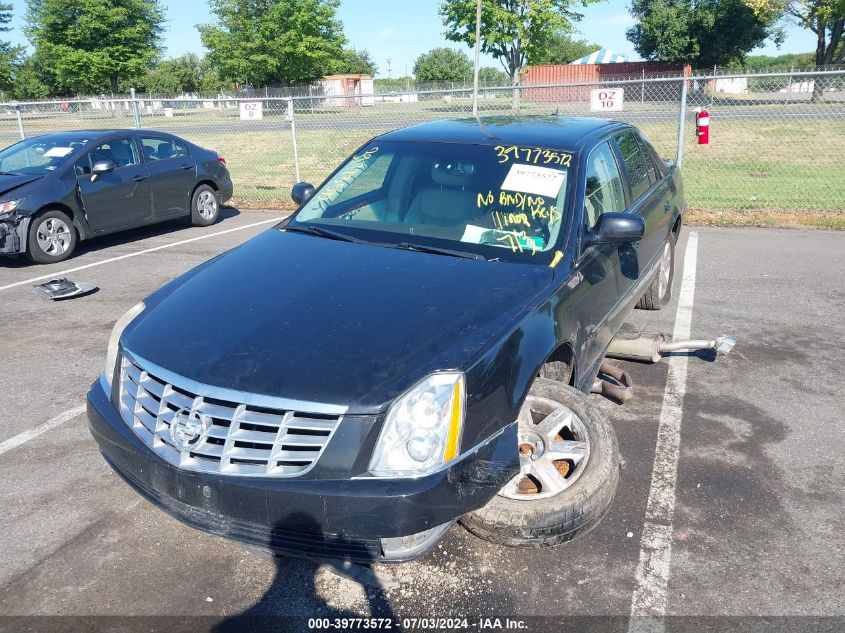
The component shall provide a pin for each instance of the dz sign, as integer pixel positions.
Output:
(607, 99)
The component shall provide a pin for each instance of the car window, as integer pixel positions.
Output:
(604, 192)
(121, 151)
(82, 166)
(499, 201)
(162, 148)
(659, 165)
(640, 169)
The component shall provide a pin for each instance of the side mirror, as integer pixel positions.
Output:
(669, 162)
(618, 228)
(301, 192)
(102, 167)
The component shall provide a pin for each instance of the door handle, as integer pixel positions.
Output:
(139, 178)
(187, 167)
(667, 207)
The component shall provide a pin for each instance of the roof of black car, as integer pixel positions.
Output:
(101, 132)
(566, 132)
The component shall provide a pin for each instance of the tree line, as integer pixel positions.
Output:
(83, 47)
(102, 46)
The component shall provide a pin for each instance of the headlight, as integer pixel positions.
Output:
(117, 330)
(422, 430)
(11, 205)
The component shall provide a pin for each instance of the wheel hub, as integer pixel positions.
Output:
(530, 444)
(53, 236)
(553, 451)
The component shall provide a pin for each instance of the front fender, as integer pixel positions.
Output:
(499, 382)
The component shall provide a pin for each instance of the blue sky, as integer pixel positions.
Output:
(401, 30)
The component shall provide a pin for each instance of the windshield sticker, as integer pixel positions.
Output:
(533, 155)
(517, 241)
(533, 179)
(58, 152)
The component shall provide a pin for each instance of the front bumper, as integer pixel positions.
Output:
(13, 230)
(363, 520)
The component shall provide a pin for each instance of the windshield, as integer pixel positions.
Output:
(41, 154)
(501, 202)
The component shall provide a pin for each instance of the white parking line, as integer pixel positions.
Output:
(23, 438)
(136, 254)
(648, 602)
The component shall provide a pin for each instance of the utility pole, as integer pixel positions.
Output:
(477, 53)
(389, 62)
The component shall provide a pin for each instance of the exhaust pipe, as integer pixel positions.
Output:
(649, 349)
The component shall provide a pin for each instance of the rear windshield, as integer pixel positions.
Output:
(500, 201)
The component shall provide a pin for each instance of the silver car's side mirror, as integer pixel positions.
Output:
(102, 167)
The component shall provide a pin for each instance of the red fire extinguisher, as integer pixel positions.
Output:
(702, 126)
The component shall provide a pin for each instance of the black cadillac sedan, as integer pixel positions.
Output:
(61, 188)
(409, 349)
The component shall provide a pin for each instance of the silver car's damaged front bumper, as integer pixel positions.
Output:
(13, 231)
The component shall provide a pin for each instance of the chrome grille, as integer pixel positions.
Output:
(242, 439)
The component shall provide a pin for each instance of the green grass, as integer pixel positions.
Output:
(783, 170)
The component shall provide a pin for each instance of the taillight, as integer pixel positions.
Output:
(220, 159)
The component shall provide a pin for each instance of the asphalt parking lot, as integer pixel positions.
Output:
(756, 520)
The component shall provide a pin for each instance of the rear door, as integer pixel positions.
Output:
(173, 172)
(645, 197)
(121, 197)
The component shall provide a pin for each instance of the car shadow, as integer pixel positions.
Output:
(293, 597)
(126, 237)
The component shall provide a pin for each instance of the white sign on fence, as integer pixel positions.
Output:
(607, 99)
(252, 110)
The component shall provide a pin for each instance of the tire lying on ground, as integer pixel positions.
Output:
(569, 461)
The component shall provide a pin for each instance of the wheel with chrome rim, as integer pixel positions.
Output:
(205, 206)
(52, 237)
(659, 291)
(553, 450)
(568, 472)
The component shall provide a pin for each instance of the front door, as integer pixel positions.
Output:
(647, 199)
(118, 198)
(601, 267)
(173, 173)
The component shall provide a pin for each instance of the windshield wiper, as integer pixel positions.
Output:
(321, 232)
(438, 251)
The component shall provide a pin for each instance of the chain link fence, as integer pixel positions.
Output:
(777, 140)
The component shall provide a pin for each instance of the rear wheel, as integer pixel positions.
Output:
(51, 238)
(205, 207)
(659, 291)
(569, 471)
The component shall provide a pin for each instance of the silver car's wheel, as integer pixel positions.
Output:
(54, 236)
(207, 205)
(51, 237)
(553, 450)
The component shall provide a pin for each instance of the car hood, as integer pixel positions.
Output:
(319, 320)
(7, 183)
